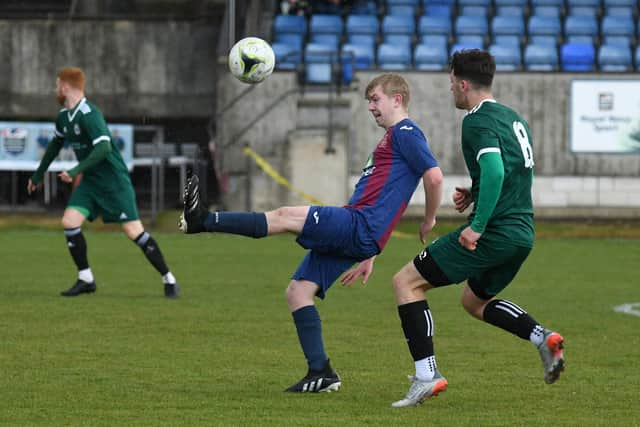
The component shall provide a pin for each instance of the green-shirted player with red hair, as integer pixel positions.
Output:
(102, 186)
(488, 251)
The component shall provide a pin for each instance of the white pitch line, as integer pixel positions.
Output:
(631, 308)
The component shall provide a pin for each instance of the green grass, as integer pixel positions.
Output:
(223, 352)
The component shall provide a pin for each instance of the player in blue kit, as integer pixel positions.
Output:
(339, 237)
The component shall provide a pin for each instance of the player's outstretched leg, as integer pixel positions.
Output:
(422, 390)
(194, 212)
(551, 351)
(325, 380)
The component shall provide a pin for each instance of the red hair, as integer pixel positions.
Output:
(72, 75)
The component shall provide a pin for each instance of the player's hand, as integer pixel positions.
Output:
(462, 199)
(425, 228)
(469, 238)
(65, 177)
(363, 269)
(31, 187)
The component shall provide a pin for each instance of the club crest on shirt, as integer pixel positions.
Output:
(76, 129)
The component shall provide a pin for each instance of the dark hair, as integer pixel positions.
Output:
(475, 65)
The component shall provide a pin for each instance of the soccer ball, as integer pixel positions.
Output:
(251, 60)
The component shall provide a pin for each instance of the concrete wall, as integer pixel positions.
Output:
(135, 69)
(567, 184)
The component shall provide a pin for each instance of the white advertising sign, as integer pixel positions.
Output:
(605, 116)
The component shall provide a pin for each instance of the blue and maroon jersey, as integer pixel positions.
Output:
(390, 177)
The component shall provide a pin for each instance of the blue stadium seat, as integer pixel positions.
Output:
(358, 56)
(430, 57)
(540, 58)
(581, 29)
(619, 11)
(289, 24)
(473, 10)
(392, 58)
(512, 3)
(401, 41)
(364, 7)
(516, 11)
(362, 24)
(294, 40)
(325, 24)
(400, 9)
(471, 25)
(433, 25)
(637, 56)
(507, 40)
(507, 58)
(413, 3)
(437, 40)
(463, 3)
(615, 3)
(470, 39)
(544, 30)
(426, 3)
(329, 39)
(398, 24)
(319, 59)
(440, 10)
(553, 11)
(577, 57)
(362, 39)
(507, 25)
(614, 58)
(555, 3)
(583, 11)
(287, 57)
(617, 29)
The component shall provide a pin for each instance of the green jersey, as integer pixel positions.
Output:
(493, 127)
(84, 128)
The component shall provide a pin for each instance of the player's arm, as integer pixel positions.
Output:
(53, 148)
(491, 179)
(432, 182)
(101, 148)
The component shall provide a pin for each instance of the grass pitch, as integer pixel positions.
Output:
(222, 354)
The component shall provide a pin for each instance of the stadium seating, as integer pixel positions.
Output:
(471, 25)
(540, 58)
(392, 58)
(325, 24)
(362, 39)
(319, 60)
(617, 30)
(614, 58)
(401, 9)
(430, 57)
(437, 40)
(516, 11)
(507, 26)
(507, 58)
(362, 24)
(398, 24)
(474, 11)
(287, 56)
(544, 30)
(296, 41)
(437, 9)
(289, 24)
(359, 56)
(364, 7)
(553, 11)
(577, 57)
(458, 46)
(581, 29)
(637, 57)
(434, 25)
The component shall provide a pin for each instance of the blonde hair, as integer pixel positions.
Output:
(391, 84)
(72, 75)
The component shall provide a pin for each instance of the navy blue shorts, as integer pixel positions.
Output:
(337, 238)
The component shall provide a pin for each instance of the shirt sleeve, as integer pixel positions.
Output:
(413, 147)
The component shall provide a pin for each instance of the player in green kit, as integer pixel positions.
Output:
(104, 187)
(489, 249)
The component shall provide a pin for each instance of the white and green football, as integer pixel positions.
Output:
(251, 60)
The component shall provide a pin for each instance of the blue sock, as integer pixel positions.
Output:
(309, 329)
(250, 224)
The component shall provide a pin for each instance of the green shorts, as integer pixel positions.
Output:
(117, 203)
(488, 269)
